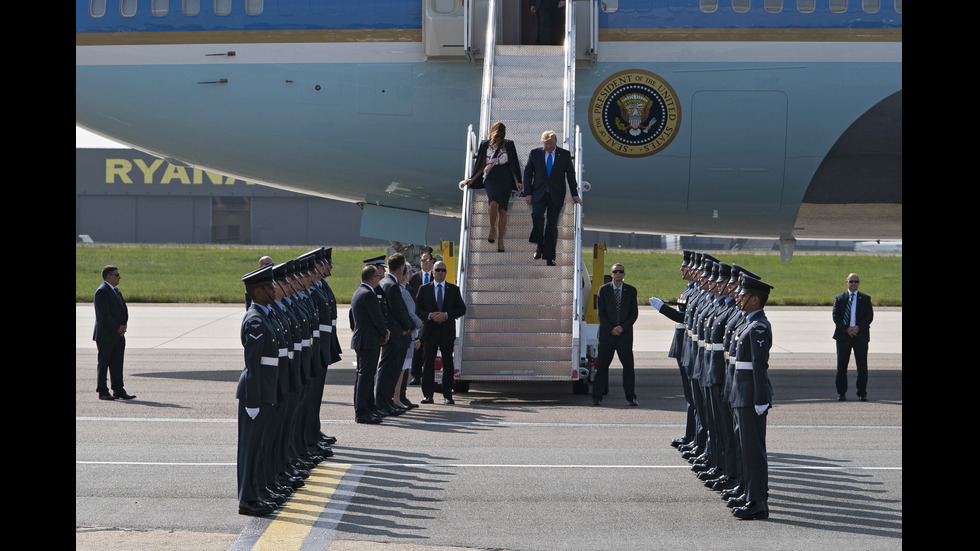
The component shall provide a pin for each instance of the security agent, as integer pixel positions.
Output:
(256, 393)
(752, 399)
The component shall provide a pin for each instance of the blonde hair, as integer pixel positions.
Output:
(547, 135)
(497, 133)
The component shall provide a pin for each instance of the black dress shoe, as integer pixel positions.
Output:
(738, 501)
(537, 255)
(410, 405)
(448, 401)
(274, 497)
(294, 482)
(426, 401)
(328, 440)
(841, 398)
(678, 442)
(863, 398)
(731, 492)
(633, 402)
(753, 510)
(597, 401)
(700, 467)
(552, 263)
(324, 452)
(255, 508)
(123, 396)
(368, 419)
(414, 381)
(106, 396)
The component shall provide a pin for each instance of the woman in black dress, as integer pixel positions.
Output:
(497, 164)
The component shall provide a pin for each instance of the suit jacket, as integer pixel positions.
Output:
(110, 313)
(536, 179)
(452, 305)
(865, 314)
(416, 282)
(368, 320)
(607, 311)
(398, 318)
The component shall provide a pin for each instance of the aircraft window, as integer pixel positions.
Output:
(773, 6)
(741, 6)
(898, 6)
(806, 6)
(96, 8)
(444, 6)
(871, 6)
(222, 7)
(160, 7)
(708, 6)
(610, 6)
(192, 8)
(127, 8)
(253, 7)
(838, 6)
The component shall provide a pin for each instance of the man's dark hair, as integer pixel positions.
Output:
(367, 273)
(107, 269)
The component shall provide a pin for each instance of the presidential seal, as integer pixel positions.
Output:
(634, 113)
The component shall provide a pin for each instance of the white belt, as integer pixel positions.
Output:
(290, 355)
(333, 322)
(715, 346)
(269, 361)
(297, 347)
(283, 352)
(743, 365)
(326, 328)
(306, 342)
(680, 326)
(316, 333)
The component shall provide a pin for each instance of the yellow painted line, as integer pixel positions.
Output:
(300, 512)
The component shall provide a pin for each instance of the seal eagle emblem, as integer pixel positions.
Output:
(634, 113)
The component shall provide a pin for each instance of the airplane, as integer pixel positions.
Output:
(754, 118)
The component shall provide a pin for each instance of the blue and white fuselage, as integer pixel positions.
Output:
(786, 117)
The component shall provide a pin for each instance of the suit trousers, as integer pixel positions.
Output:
(860, 348)
(367, 366)
(432, 345)
(755, 460)
(544, 225)
(622, 347)
(110, 360)
(392, 359)
(252, 447)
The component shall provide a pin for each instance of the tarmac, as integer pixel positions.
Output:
(518, 466)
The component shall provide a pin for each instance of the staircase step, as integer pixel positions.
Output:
(523, 325)
(481, 370)
(518, 353)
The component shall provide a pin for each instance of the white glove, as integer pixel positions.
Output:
(252, 412)
(759, 410)
(656, 302)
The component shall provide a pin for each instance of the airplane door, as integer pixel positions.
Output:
(442, 28)
(738, 151)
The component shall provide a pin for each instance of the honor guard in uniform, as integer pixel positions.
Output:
(328, 323)
(752, 399)
(256, 393)
(323, 353)
(677, 344)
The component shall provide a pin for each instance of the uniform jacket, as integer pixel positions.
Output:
(259, 380)
(865, 314)
(751, 387)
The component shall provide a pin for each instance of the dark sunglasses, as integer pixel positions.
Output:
(619, 271)
(854, 281)
(439, 270)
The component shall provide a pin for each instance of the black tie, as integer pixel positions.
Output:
(619, 306)
(439, 298)
(847, 310)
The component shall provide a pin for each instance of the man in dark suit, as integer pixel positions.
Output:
(551, 21)
(852, 320)
(549, 169)
(617, 311)
(111, 317)
(438, 305)
(400, 326)
(370, 333)
(258, 395)
(419, 279)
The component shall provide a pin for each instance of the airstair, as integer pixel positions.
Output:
(524, 320)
